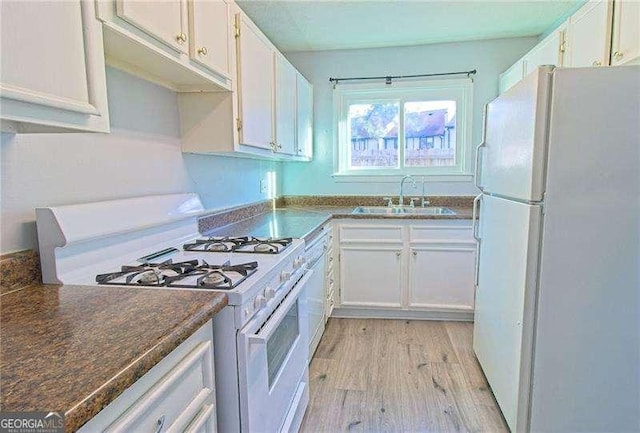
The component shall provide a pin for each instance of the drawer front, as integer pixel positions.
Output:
(459, 232)
(370, 233)
(175, 400)
(204, 422)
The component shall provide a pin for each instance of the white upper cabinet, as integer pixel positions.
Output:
(304, 117)
(285, 106)
(164, 20)
(548, 52)
(270, 104)
(256, 83)
(183, 45)
(601, 33)
(625, 46)
(589, 34)
(511, 76)
(52, 75)
(210, 24)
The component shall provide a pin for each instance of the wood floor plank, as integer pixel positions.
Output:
(374, 375)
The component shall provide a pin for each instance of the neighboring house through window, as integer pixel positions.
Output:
(420, 128)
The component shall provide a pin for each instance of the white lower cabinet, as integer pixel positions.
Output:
(371, 275)
(418, 268)
(441, 276)
(176, 395)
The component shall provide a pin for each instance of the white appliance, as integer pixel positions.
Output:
(314, 290)
(557, 317)
(260, 338)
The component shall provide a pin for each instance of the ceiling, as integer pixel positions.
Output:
(308, 25)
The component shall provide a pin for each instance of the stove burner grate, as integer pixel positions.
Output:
(215, 244)
(245, 244)
(189, 274)
(148, 274)
(263, 246)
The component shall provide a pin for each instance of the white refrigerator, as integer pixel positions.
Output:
(557, 309)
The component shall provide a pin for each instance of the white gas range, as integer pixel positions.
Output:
(260, 338)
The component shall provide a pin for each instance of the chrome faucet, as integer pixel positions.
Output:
(401, 198)
(425, 201)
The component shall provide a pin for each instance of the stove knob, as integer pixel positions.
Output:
(269, 293)
(299, 262)
(284, 276)
(259, 302)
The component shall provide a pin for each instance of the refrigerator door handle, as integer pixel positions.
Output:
(482, 144)
(474, 216)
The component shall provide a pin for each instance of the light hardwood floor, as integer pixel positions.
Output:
(371, 375)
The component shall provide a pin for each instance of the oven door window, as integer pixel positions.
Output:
(281, 342)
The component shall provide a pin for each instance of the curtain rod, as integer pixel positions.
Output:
(388, 78)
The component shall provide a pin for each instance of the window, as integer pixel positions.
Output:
(403, 128)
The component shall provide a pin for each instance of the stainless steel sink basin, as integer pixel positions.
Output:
(379, 210)
(429, 210)
(403, 210)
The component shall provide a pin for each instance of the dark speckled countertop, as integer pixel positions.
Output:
(76, 348)
(304, 221)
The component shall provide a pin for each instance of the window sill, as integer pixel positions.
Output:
(395, 178)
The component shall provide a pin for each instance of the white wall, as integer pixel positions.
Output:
(490, 58)
(141, 156)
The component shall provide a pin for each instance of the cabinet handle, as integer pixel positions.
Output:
(202, 51)
(181, 38)
(279, 146)
(273, 146)
(597, 63)
(159, 424)
(330, 259)
(398, 253)
(415, 253)
(618, 55)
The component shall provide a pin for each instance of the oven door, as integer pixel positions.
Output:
(272, 361)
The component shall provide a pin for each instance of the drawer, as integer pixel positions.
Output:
(461, 231)
(204, 422)
(176, 399)
(330, 261)
(370, 233)
(331, 283)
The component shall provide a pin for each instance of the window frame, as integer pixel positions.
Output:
(458, 90)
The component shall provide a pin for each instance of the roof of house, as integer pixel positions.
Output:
(382, 121)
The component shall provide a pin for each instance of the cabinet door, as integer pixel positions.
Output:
(52, 75)
(304, 117)
(371, 276)
(210, 26)
(164, 20)
(547, 52)
(256, 86)
(626, 32)
(589, 34)
(285, 106)
(511, 76)
(442, 277)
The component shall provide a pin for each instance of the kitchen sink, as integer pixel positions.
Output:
(379, 210)
(403, 210)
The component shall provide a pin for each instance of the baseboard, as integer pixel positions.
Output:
(378, 313)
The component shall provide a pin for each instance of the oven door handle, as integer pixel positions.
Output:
(274, 321)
